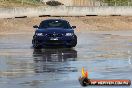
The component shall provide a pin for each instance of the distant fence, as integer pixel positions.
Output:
(64, 11)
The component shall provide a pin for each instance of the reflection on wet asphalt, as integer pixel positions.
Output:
(105, 56)
(54, 60)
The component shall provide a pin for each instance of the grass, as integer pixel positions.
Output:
(28, 3)
(118, 2)
(20, 3)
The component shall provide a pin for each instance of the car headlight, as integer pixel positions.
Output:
(69, 34)
(39, 34)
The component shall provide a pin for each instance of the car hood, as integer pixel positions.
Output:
(54, 30)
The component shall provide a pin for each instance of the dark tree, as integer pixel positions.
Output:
(54, 3)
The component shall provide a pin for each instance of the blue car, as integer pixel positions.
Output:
(54, 33)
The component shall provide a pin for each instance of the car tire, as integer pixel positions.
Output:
(35, 46)
(75, 41)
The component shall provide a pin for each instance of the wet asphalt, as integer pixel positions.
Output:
(105, 56)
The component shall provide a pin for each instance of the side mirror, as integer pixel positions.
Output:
(73, 27)
(35, 26)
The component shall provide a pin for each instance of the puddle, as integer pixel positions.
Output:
(105, 56)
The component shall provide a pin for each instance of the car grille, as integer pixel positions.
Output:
(54, 42)
(54, 35)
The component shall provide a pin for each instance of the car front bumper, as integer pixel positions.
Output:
(49, 42)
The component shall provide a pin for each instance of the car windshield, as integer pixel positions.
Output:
(54, 24)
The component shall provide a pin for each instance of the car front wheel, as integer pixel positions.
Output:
(75, 41)
(35, 45)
